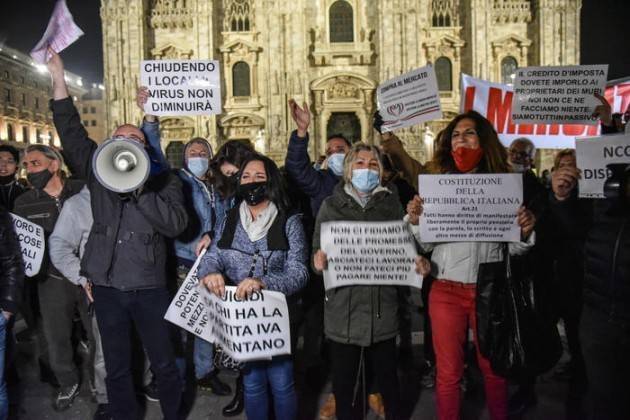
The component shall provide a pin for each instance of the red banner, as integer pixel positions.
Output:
(494, 101)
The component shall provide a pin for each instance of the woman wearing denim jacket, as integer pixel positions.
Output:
(260, 246)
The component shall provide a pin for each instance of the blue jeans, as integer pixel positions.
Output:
(279, 374)
(4, 399)
(203, 356)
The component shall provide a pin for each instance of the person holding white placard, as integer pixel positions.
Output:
(469, 144)
(261, 246)
(361, 322)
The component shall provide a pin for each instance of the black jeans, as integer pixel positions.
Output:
(606, 350)
(429, 351)
(380, 358)
(58, 301)
(117, 312)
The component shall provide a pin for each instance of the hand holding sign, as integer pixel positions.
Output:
(414, 209)
(319, 260)
(563, 181)
(247, 287)
(215, 283)
(526, 220)
(423, 266)
(60, 33)
(603, 111)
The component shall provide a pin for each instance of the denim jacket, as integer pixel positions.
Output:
(201, 202)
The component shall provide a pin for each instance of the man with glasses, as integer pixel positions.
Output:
(10, 188)
(124, 259)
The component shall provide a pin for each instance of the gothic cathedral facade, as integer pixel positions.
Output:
(329, 53)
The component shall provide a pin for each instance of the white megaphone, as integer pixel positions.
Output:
(121, 165)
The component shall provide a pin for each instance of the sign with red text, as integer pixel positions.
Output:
(369, 253)
(494, 101)
(558, 94)
(181, 87)
(470, 207)
(593, 155)
(32, 243)
(409, 99)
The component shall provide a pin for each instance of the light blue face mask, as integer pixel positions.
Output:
(365, 180)
(198, 166)
(335, 163)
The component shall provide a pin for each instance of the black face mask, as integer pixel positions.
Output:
(6, 179)
(40, 179)
(233, 179)
(253, 193)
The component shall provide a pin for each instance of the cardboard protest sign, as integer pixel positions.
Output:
(60, 33)
(494, 101)
(410, 99)
(558, 94)
(182, 87)
(369, 253)
(32, 243)
(187, 309)
(470, 207)
(593, 154)
(256, 328)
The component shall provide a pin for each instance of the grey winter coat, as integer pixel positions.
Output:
(359, 315)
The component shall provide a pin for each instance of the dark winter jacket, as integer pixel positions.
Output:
(317, 184)
(359, 315)
(43, 210)
(605, 226)
(9, 193)
(11, 266)
(127, 247)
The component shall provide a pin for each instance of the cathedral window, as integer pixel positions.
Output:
(341, 21)
(238, 15)
(25, 136)
(240, 79)
(443, 13)
(10, 132)
(508, 69)
(444, 74)
(175, 154)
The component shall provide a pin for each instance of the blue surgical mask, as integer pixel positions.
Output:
(198, 166)
(365, 180)
(335, 163)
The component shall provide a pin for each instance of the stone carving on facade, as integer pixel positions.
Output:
(171, 14)
(171, 52)
(241, 126)
(512, 11)
(512, 45)
(342, 90)
(181, 128)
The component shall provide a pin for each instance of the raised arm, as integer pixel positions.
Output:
(77, 146)
(151, 129)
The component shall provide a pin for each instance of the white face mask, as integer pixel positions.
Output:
(335, 163)
(519, 168)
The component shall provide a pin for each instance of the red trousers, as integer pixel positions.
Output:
(452, 310)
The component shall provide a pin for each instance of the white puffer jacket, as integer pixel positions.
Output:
(459, 261)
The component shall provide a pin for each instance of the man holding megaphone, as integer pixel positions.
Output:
(125, 254)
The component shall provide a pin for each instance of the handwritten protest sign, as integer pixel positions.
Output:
(369, 253)
(60, 33)
(494, 101)
(187, 309)
(470, 208)
(593, 154)
(32, 243)
(256, 328)
(557, 95)
(182, 87)
(409, 99)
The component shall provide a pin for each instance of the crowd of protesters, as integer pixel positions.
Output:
(113, 261)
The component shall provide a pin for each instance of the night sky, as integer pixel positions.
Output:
(22, 23)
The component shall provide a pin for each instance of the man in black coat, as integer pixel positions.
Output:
(11, 279)
(125, 259)
(10, 188)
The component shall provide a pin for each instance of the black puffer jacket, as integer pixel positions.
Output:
(11, 266)
(605, 226)
(127, 246)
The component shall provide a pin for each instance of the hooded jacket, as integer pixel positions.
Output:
(359, 315)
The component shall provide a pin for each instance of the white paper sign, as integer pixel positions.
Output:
(254, 329)
(593, 154)
(558, 95)
(32, 242)
(410, 99)
(369, 253)
(470, 208)
(60, 33)
(182, 87)
(187, 309)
